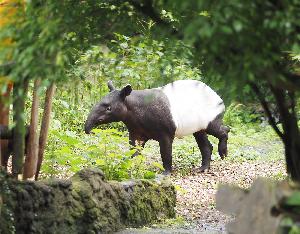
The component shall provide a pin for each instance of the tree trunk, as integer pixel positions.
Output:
(44, 127)
(5, 133)
(290, 135)
(33, 145)
(292, 153)
(19, 95)
(4, 120)
(290, 128)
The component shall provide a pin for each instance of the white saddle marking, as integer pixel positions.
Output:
(193, 105)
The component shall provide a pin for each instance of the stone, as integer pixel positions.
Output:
(252, 208)
(86, 203)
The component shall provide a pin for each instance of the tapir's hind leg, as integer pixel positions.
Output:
(218, 130)
(205, 149)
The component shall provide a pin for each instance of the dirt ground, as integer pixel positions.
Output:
(196, 208)
(196, 193)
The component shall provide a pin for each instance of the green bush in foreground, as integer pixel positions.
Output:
(107, 149)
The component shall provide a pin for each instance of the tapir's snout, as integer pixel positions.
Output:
(88, 126)
(87, 129)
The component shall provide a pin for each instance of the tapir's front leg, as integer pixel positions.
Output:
(165, 144)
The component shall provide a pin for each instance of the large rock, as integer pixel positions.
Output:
(257, 210)
(86, 203)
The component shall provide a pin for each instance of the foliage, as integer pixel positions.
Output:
(290, 208)
(60, 32)
(107, 150)
(238, 114)
(140, 61)
(240, 53)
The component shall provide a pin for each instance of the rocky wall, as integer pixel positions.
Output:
(86, 203)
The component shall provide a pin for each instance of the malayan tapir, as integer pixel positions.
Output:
(177, 109)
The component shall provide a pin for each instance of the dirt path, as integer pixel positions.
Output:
(196, 195)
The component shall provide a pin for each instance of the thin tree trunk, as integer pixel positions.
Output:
(292, 153)
(291, 132)
(4, 121)
(45, 127)
(5, 133)
(33, 140)
(19, 94)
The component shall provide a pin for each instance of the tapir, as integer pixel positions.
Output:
(177, 109)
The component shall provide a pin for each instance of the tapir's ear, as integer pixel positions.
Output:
(126, 91)
(110, 86)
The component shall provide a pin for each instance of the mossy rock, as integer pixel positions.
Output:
(86, 203)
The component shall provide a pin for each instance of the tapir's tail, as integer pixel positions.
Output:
(222, 146)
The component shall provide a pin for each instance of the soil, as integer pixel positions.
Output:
(196, 195)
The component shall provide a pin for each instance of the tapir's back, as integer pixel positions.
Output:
(193, 105)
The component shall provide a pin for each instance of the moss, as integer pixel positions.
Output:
(86, 203)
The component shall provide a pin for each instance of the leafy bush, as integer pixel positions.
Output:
(106, 149)
(141, 62)
(238, 114)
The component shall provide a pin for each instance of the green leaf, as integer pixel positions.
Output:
(294, 199)
(237, 25)
(69, 140)
(158, 165)
(100, 162)
(149, 175)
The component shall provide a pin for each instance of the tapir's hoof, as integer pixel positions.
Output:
(135, 154)
(223, 154)
(166, 173)
(204, 169)
(222, 149)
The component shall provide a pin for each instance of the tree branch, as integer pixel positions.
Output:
(293, 102)
(147, 9)
(267, 110)
(290, 120)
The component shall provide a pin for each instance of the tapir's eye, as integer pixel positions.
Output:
(108, 108)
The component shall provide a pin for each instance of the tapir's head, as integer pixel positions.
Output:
(111, 108)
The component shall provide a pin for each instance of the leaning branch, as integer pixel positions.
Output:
(265, 105)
